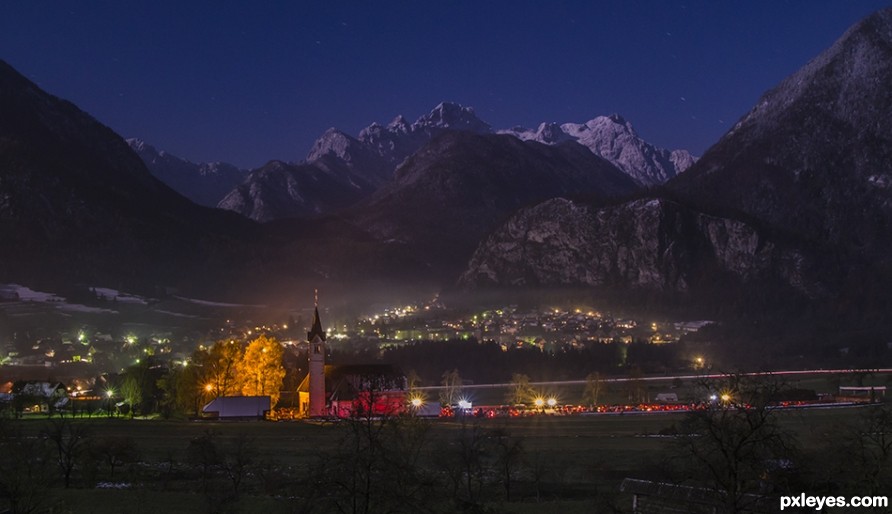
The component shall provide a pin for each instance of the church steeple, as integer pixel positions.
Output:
(316, 330)
(316, 340)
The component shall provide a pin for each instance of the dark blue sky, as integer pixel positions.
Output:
(234, 81)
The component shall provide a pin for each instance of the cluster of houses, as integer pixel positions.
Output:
(34, 396)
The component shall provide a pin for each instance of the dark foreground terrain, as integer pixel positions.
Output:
(533, 464)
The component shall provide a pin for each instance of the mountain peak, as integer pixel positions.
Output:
(820, 141)
(848, 81)
(614, 123)
(448, 115)
(399, 123)
(138, 145)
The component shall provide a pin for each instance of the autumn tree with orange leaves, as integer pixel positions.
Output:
(261, 371)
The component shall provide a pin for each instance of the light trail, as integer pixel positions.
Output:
(671, 377)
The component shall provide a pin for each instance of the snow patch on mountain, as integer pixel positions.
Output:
(614, 139)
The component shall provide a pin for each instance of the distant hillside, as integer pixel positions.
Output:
(204, 183)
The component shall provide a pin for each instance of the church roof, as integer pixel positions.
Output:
(316, 330)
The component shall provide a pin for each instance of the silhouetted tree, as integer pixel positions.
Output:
(69, 440)
(733, 445)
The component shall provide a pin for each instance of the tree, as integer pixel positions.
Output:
(734, 445)
(376, 467)
(592, 389)
(69, 440)
(236, 458)
(636, 388)
(131, 391)
(24, 470)
(115, 450)
(859, 455)
(451, 392)
(521, 391)
(509, 455)
(221, 369)
(261, 371)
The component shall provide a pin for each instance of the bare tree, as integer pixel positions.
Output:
(236, 459)
(521, 390)
(70, 440)
(734, 444)
(592, 392)
(509, 456)
(25, 474)
(377, 467)
(451, 392)
(858, 456)
(114, 451)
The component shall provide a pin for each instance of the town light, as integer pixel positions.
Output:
(551, 402)
(464, 404)
(110, 393)
(726, 397)
(208, 387)
(417, 402)
(713, 397)
(539, 402)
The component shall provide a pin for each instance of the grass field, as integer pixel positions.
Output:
(580, 460)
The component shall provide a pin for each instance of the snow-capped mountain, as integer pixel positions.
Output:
(795, 199)
(614, 139)
(340, 169)
(379, 149)
(204, 183)
(456, 188)
(371, 157)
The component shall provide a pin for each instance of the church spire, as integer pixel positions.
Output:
(316, 330)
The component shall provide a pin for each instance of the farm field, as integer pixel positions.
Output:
(569, 463)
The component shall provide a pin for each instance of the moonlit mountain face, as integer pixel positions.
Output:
(614, 139)
(447, 195)
(814, 155)
(795, 199)
(351, 168)
(797, 195)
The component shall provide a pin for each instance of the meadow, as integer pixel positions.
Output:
(566, 463)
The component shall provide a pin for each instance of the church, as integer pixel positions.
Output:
(348, 390)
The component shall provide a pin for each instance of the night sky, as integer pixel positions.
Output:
(237, 82)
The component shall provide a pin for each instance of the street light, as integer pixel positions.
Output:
(108, 394)
(551, 402)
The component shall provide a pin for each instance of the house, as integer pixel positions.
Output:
(33, 396)
(237, 407)
(667, 397)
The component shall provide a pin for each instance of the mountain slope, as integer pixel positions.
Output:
(340, 169)
(450, 193)
(796, 198)
(203, 183)
(281, 190)
(614, 139)
(814, 156)
(77, 203)
(649, 243)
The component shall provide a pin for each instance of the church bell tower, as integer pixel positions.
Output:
(316, 338)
